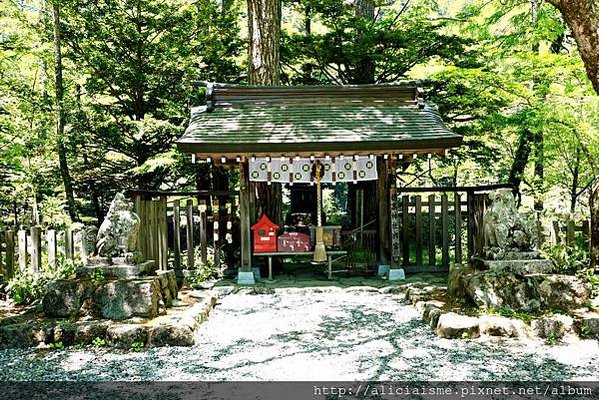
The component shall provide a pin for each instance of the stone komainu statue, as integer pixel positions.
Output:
(507, 228)
(118, 233)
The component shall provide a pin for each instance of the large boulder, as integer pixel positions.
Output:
(493, 289)
(64, 298)
(124, 299)
(564, 292)
(452, 325)
(528, 293)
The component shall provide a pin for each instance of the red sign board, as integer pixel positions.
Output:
(265, 236)
(294, 242)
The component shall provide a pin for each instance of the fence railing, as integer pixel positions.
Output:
(25, 249)
(178, 227)
(568, 232)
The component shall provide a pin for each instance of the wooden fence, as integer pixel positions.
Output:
(178, 227)
(429, 232)
(25, 249)
(569, 231)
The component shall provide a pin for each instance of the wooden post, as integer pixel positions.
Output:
(556, 233)
(457, 201)
(69, 251)
(229, 234)
(245, 215)
(141, 232)
(445, 228)
(177, 234)
(203, 225)
(431, 230)
(384, 211)
(22, 239)
(10, 253)
(52, 247)
(418, 222)
(163, 234)
(405, 240)
(570, 234)
(190, 249)
(470, 223)
(216, 230)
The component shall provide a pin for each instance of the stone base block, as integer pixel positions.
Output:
(383, 270)
(452, 325)
(124, 299)
(256, 272)
(120, 271)
(397, 274)
(245, 278)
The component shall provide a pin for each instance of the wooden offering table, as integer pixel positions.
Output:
(332, 255)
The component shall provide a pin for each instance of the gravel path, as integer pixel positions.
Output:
(303, 334)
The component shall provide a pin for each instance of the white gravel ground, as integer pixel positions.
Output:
(304, 334)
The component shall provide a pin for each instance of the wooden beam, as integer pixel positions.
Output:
(384, 211)
(245, 217)
(177, 234)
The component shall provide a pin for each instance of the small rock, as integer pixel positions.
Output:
(452, 325)
(553, 327)
(123, 336)
(433, 316)
(494, 325)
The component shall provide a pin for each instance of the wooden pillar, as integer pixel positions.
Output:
(432, 230)
(245, 217)
(384, 211)
(445, 230)
(216, 231)
(52, 248)
(10, 253)
(405, 230)
(69, 250)
(458, 227)
(177, 234)
(22, 239)
(203, 227)
(163, 235)
(418, 223)
(190, 249)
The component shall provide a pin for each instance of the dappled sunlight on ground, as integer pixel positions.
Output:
(323, 334)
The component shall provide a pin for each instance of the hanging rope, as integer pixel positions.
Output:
(320, 254)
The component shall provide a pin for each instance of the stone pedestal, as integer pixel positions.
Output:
(383, 270)
(245, 278)
(397, 274)
(119, 271)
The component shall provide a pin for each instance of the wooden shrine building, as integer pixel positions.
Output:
(276, 134)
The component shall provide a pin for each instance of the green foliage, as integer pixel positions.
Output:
(99, 342)
(56, 346)
(569, 258)
(26, 287)
(137, 346)
(97, 275)
(509, 313)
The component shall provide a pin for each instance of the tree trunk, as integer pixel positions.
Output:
(60, 116)
(264, 20)
(582, 17)
(520, 161)
(574, 187)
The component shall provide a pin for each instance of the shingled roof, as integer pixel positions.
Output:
(314, 121)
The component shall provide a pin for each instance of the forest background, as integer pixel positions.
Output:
(93, 94)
